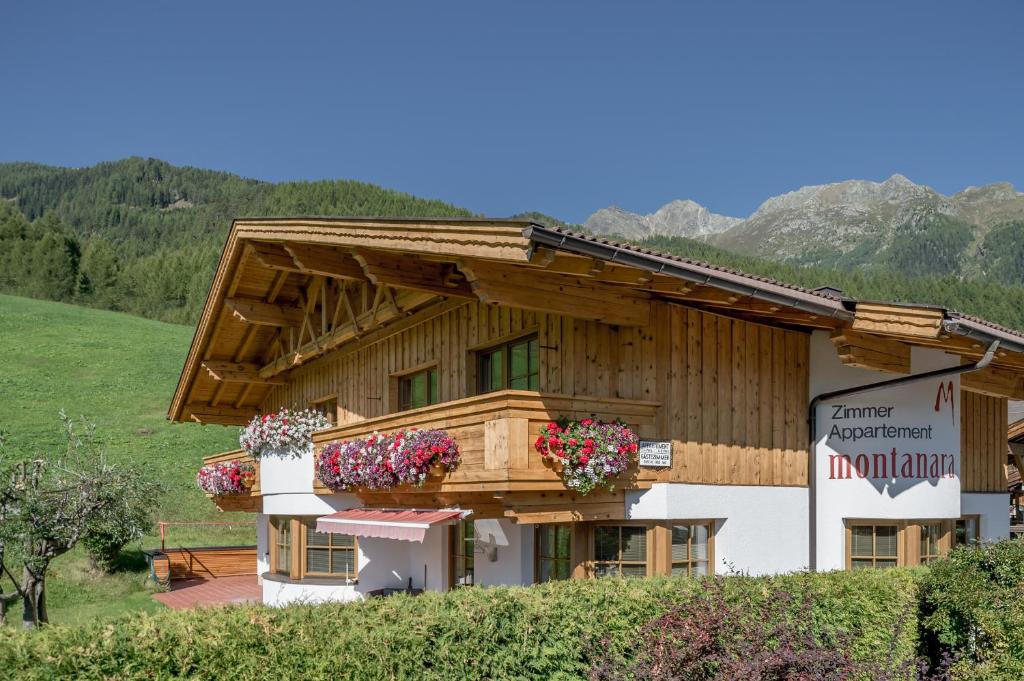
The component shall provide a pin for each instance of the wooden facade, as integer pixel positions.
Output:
(314, 311)
(728, 392)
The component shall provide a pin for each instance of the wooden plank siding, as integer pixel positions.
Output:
(731, 393)
(983, 428)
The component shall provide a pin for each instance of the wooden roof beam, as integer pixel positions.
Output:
(272, 256)
(898, 320)
(548, 292)
(871, 352)
(264, 314)
(237, 372)
(205, 414)
(411, 272)
(994, 383)
(328, 261)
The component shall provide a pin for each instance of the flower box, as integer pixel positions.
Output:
(226, 477)
(588, 454)
(385, 461)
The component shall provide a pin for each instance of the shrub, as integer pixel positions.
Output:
(126, 515)
(972, 608)
(711, 637)
(551, 631)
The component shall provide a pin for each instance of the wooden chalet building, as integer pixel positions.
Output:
(783, 454)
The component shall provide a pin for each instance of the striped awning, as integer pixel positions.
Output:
(387, 523)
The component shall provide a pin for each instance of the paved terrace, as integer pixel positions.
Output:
(192, 593)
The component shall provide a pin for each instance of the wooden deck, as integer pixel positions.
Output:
(207, 562)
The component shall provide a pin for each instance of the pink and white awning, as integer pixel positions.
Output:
(387, 523)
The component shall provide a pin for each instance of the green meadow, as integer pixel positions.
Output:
(118, 372)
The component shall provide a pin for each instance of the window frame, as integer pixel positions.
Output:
(659, 545)
(571, 559)
(506, 345)
(456, 539)
(351, 578)
(649, 558)
(322, 405)
(900, 558)
(916, 534)
(976, 518)
(274, 524)
(297, 570)
(691, 563)
(399, 380)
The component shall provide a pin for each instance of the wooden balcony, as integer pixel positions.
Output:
(249, 501)
(495, 433)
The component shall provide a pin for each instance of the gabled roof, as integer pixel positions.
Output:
(362, 275)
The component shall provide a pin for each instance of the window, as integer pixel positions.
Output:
(553, 547)
(514, 365)
(461, 559)
(620, 551)
(931, 542)
(873, 546)
(328, 406)
(298, 551)
(281, 554)
(690, 554)
(328, 554)
(417, 389)
(966, 530)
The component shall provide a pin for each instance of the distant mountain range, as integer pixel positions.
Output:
(849, 224)
(144, 236)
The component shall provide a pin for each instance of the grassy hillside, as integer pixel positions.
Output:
(119, 372)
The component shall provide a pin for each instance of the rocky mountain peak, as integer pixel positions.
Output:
(682, 217)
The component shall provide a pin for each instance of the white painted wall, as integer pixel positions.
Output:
(893, 498)
(284, 593)
(286, 473)
(758, 529)
(506, 542)
(993, 507)
(432, 553)
(262, 546)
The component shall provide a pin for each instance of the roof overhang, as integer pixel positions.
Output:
(276, 274)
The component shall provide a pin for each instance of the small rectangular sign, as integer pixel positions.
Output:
(656, 453)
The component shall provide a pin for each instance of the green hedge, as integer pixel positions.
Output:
(543, 632)
(972, 604)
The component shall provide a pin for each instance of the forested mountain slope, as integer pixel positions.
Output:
(143, 236)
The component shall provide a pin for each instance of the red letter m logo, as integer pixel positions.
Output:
(945, 394)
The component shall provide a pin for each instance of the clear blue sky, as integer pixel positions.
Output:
(504, 107)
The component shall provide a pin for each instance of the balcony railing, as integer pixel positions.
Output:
(495, 433)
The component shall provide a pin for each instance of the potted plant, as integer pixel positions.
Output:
(226, 477)
(384, 461)
(588, 454)
(283, 434)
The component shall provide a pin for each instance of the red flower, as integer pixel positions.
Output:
(553, 427)
(584, 459)
(586, 422)
(572, 442)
